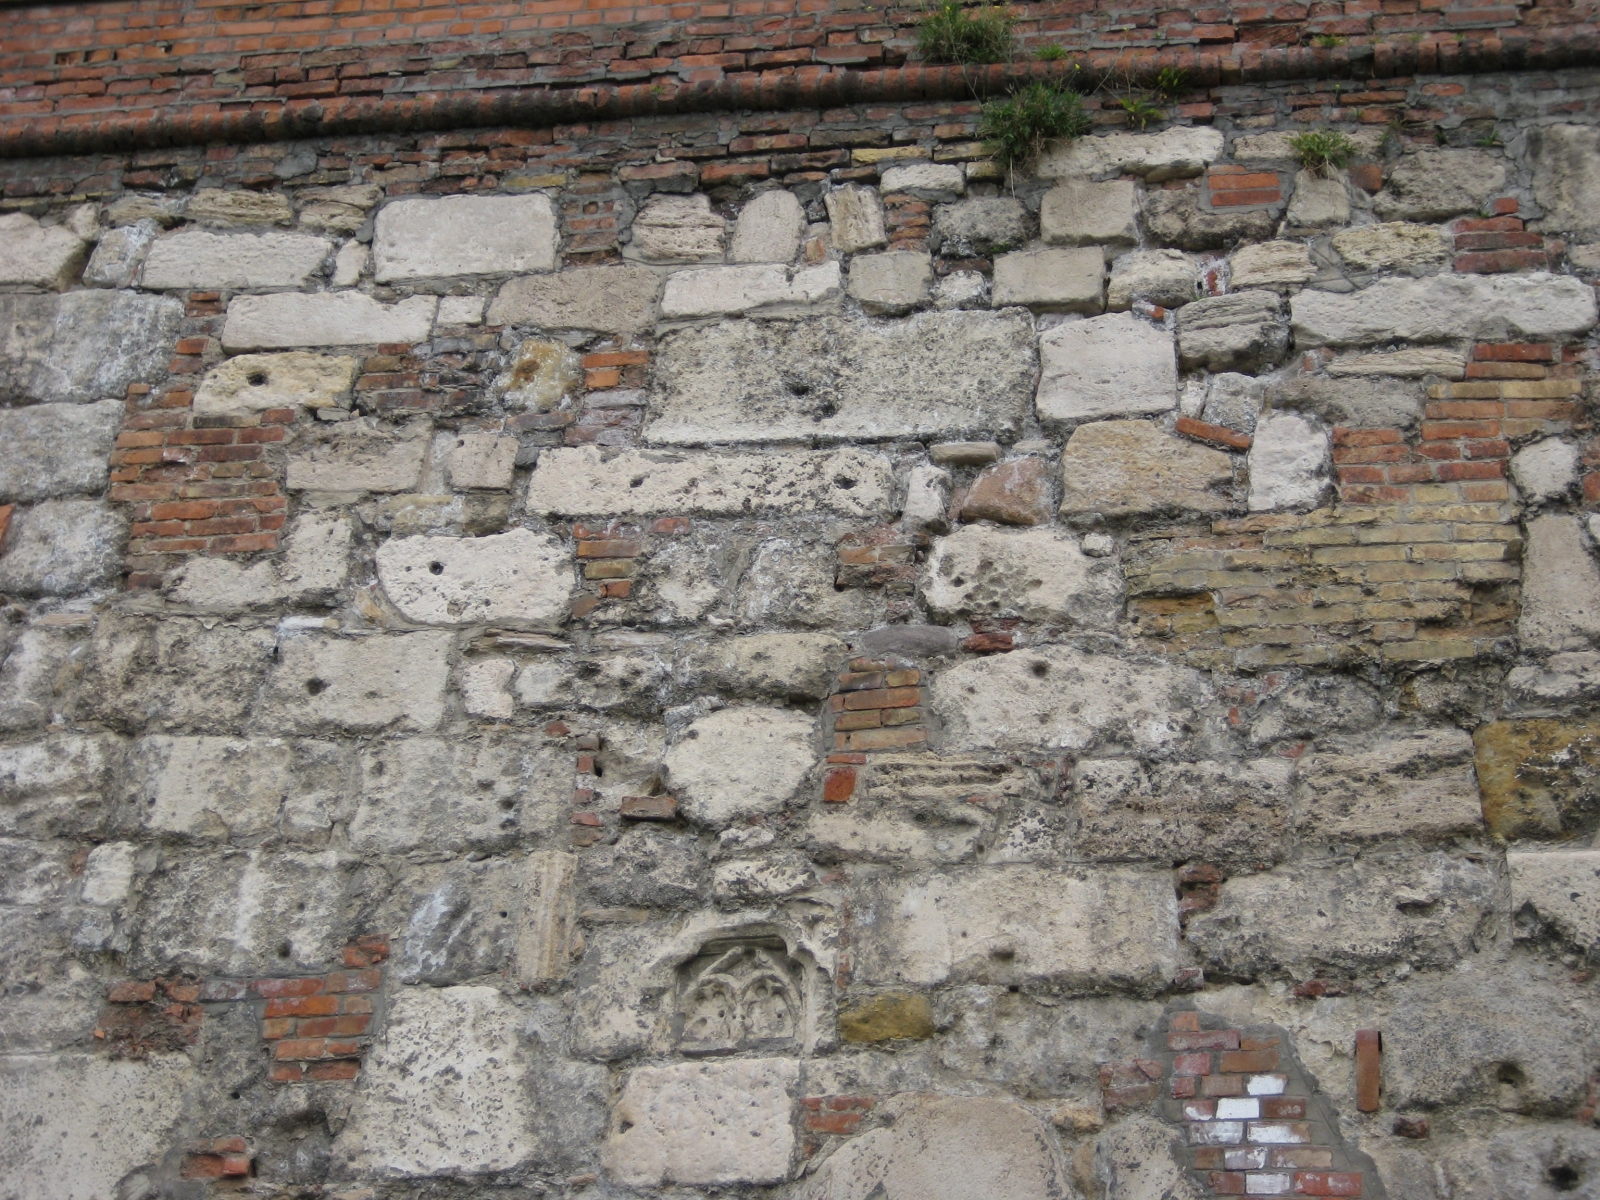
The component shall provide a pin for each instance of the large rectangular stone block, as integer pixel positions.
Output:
(1420, 784)
(1534, 307)
(1063, 280)
(764, 287)
(464, 235)
(52, 450)
(1171, 154)
(83, 346)
(287, 320)
(580, 482)
(355, 457)
(63, 548)
(518, 577)
(1086, 930)
(1111, 366)
(35, 255)
(602, 299)
(933, 374)
(358, 684)
(58, 786)
(196, 259)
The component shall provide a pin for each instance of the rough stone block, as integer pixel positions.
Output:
(1062, 280)
(84, 346)
(548, 937)
(1290, 461)
(119, 254)
(1080, 213)
(768, 228)
(602, 299)
(256, 382)
(62, 548)
(1369, 403)
(463, 235)
(35, 255)
(855, 217)
(1176, 218)
(980, 225)
(518, 578)
(1128, 468)
(706, 1123)
(1431, 185)
(931, 375)
(1538, 778)
(891, 283)
(1545, 470)
(1036, 574)
(1271, 265)
(482, 459)
(776, 664)
(36, 677)
(1418, 784)
(1087, 930)
(214, 206)
(1393, 246)
(1534, 307)
(314, 566)
(1244, 331)
(1347, 916)
(1318, 202)
(58, 786)
(729, 291)
(445, 1091)
(358, 684)
(1561, 888)
(1017, 492)
(56, 450)
(1066, 700)
(793, 582)
(178, 673)
(286, 320)
(925, 181)
(354, 456)
(197, 259)
(578, 482)
(1111, 366)
(740, 762)
(1415, 363)
(1175, 153)
(1164, 277)
(1560, 586)
(1566, 178)
(678, 229)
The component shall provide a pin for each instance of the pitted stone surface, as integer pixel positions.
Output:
(84, 346)
(926, 181)
(35, 255)
(253, 382)
(1562, 887)
(463, 235)
(359, 684)
(934, 374)
(53, 450)
(1164, 277)
(1394, 244)
(1110, 366)
(740, 762)
(1561, 586)
(1036, 574)
(1121, 468)
(604, 299)
(235, 209)
(1271, 265)
(62, 548)
(1419, 783)
(1430, 185)
(355, 456)
(672, 229)
(1445, 307)
(980, 224)
(1171, 154)
(235, 261)
(282, 320)
(519, 577)
(1566, 178)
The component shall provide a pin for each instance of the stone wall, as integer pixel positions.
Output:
(753, 654)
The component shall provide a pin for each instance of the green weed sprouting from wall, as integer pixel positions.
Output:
(1024, 121)
(1322, 150)
(949, 33)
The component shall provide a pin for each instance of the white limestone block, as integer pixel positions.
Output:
(768, 228)
(464, 235)
(294, 379)
(35, 255)
(1290, 462)
(1109, 366)
(195, 258)
(518, 577)
(285, 320)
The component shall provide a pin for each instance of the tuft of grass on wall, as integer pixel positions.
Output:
(1020, 125)
(1322, 151)
(949, 33)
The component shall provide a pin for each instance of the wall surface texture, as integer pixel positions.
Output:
(748, 653)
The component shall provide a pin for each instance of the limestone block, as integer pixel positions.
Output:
(980, 225)
(57, 786)
(1172, 812)
(56, 450)
(1392, 246)
(1415, 363)
(1011, 493)
(961, 289)
(445, 1091)
(927, 500)
(1449, 1041)
(294, 379)
(1164, 277)
(1111, 366)
(766, 878)
(1362, 403)
(1175, 218)
(628, 679)
(458, 310)
(1064, 280)
(1562, 677)
(456, 795)
(1417, 784)
(1234, 401)
(925, 180)
(1290, 463)
(519, 577)
(768, 228)
(108, 874)
(1065, 699)
(1244, 331)
(482, 459)
(1346, 916)
(486, 688)
(704, 1123)
(1562, 887)
(62, 548)
(350, 264)
(1431, 185)
(1036, 574)
(133, 207)
(119, 254)
(235, 913)
(1127, 468)
(197, 259)
(1318, 202)
(602, 299)
(775, 664)
(1566, 178)
(358, 684)
(1271, 265)
(464, 235)
(740, 762)
(314, 566)
(1079, 213)
(540, 373)
(1543, 470)
(1141, 1158)
(35, 255)
(946, 1148)
(729, 291)
(1088, 930)
(287, 320)
(214, 206)
(178, 673)
(1538, 778)
(855, 217)
(1560, 586)
(37, 674)
(678, 229)
(1534, 1159)
(84, 346)
(355, 456)
(548, 938)
(933, 374)
(51, 1106)
(578, 482)
(794, 582)
(891, 283)
(1175, 153)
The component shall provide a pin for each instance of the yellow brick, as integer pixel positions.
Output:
(1410, 571)
(1404, 533)
(1437, 493)
(1471, 390)
(1247, 618)
(1403, 610)
(1437, 648)
(1258, 560)
(985, 170)
(1488, 514)
(956, 151)
(1460, 552)
(1544, 389)
(1312, 537)
(1335, 555)
(887, 153)
(1364, 514)
(1393, 631)
(1488, 533)
(516, 182)
(1490, 572)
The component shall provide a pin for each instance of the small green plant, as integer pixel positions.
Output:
(1327, 41)
(1024, 121)
(1322, 150)
(1141, 110)
(1171, 82)
(1050, 53)
(1490, 140)
(949, 33)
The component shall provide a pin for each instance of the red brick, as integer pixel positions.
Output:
(904, 697)
(299, 1048)
(1281, 1108)
(1191, 1064)
(1210, 1039)
(1514, 352)
(131, 991)
(286, 1073)
(839, 784)
(1249, 1061)
(1242, 199)
(1219, 435)
(278, 1027)
(345, 1068)
(1368, 1069)
(1327, 1183)
(1226, 1183)
(649, 808)
(1493, 262)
